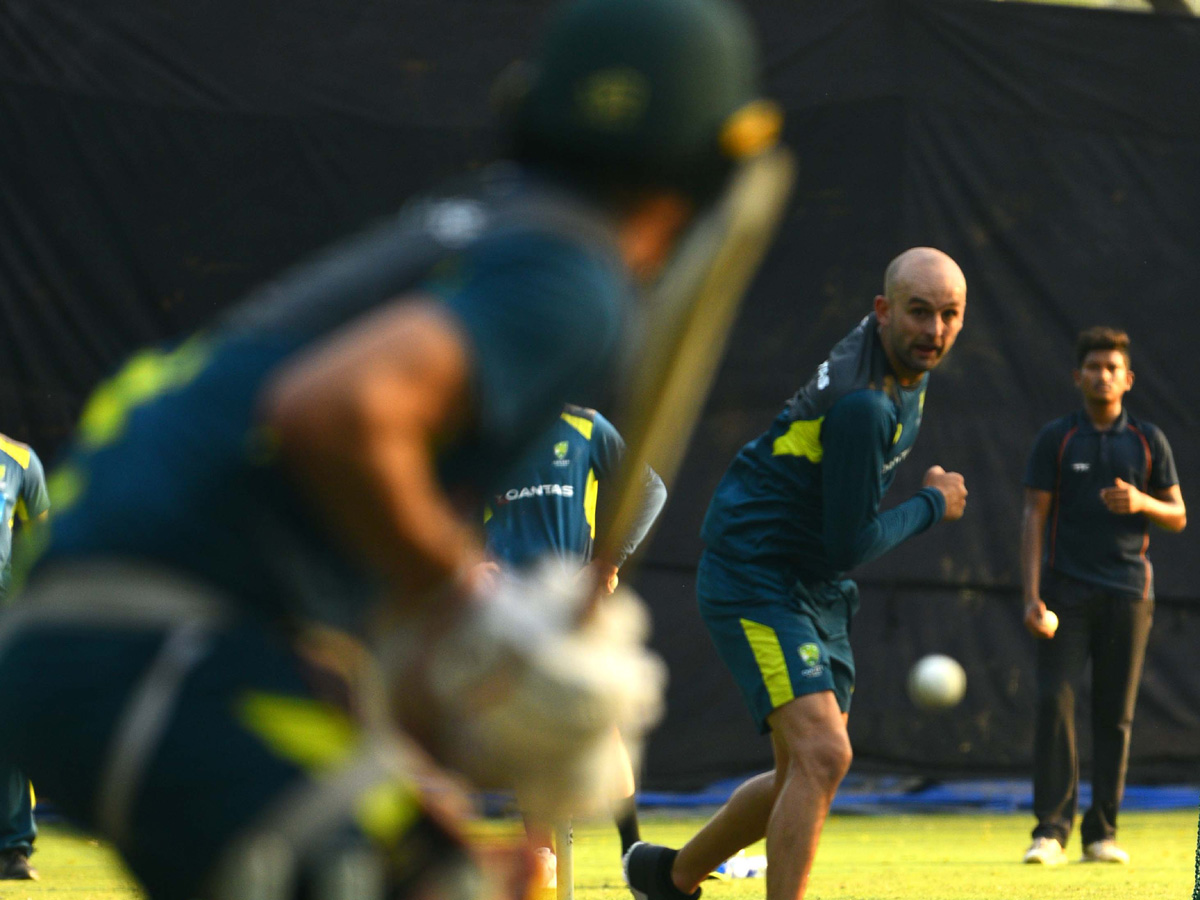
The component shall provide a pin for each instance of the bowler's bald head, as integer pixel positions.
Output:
(923, 272)
(920, 312)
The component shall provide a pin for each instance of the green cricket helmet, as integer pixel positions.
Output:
(645, 93)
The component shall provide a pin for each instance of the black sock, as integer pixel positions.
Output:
(666, 862)
(627, 823)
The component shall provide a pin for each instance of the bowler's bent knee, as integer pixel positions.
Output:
(810, 735)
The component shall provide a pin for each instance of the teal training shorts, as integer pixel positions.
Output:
(782, 647)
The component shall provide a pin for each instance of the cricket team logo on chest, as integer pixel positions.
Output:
(560, 455)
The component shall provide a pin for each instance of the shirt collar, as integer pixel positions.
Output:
(1118, 425)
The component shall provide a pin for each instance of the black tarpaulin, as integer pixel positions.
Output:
(158, 159)
(1054, 153)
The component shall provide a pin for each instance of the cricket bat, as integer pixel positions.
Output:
(686, 324)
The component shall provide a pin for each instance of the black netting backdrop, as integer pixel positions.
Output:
(159, 158)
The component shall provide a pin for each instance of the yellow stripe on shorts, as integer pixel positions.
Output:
(764, 643)
(313, 735)
(387, 811)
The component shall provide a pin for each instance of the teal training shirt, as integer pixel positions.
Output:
(171, 467)
(546, 508)
(801, 502)
(23, 488)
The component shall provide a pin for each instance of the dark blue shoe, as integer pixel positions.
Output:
(14, 866)
(648, 873)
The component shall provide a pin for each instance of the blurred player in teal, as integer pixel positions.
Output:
(797, 509)
(23, 487)
(319, 460)
(546, 510)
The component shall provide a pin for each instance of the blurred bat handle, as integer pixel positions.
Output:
(596, 591)
(564, 848)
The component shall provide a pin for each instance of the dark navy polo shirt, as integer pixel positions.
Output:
(1074, 461)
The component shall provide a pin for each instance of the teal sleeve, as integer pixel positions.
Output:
(606, 448)
(33, 488)
(855, 436)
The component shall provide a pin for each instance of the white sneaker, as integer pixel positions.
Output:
(1105, 851)
(546, 875)
(1046, 851)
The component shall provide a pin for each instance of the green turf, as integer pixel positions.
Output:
(73, 867)
(936, 857)
(926, 857)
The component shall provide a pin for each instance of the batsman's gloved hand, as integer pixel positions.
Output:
(529, 697)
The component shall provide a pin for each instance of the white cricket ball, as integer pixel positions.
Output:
(1050, 620)
(937, 681)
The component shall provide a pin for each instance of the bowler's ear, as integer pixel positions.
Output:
(1077, 377)
(1129, 383)
(882, 308)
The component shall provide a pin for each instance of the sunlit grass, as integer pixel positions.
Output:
(922, 857)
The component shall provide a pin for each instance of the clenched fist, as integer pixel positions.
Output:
(953, 488)
(1123, 498)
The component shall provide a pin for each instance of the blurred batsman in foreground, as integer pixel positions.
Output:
(312, 471)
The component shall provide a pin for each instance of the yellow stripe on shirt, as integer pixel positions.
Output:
(19, 452)
(580, 424)
(802, 438)
(590, 493)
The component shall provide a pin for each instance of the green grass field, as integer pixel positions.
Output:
(926, 857)
(963, 857)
